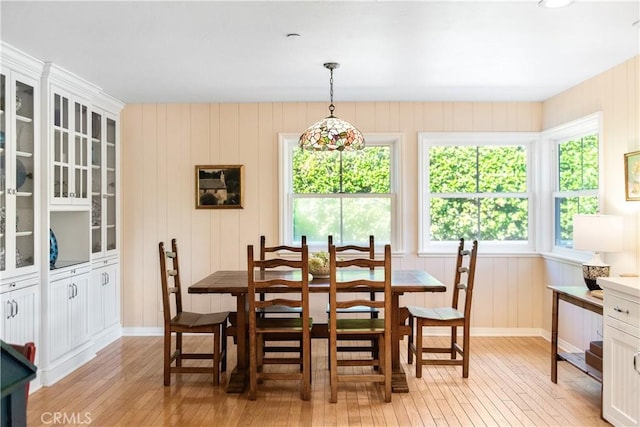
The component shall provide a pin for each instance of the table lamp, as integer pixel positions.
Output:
(597, 233)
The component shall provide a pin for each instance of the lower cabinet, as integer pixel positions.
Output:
(20, 311)
(68, 308)
(104, 296)
(621, 351)
(621, 397)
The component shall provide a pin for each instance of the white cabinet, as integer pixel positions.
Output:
(19, 311)
(621, 352)
(104, 294)
(68, 308)
(104, 184)
(19, 174)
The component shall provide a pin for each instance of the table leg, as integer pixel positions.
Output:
(239, 376)
(554, 337)
(399, 378)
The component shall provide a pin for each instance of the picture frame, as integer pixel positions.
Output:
(219, 186)
(632, 175)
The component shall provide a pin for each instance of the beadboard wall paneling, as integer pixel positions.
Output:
(162, 144)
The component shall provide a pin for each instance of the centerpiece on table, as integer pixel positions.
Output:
(319, 265)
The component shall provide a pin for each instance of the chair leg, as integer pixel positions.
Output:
(216, 356)
(253, 367)
(179, 348)
(419, 349)
(385, 367)
(410, 341)
(465, 352)
(333, 369)
(223, 363)
(305, 351)
(454, 340)
(167, 358)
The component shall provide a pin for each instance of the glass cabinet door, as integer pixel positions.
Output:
(110, 185)
(96, 183)
(70, 151)
(3, 170)
(17, 174)
(25, 174)
(60, 150)
(103, 184)
(81, 153)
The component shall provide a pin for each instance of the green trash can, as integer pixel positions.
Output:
(15, 374)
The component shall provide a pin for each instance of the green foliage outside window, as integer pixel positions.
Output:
(366, 171)
(478, 192)
(577, 172)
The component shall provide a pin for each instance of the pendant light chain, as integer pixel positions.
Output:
(331, 106)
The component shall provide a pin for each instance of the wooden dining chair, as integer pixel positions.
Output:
(180, 322)
(261, 327)
(342, 328)
(280, 310)
(452, 317)
(372, 312)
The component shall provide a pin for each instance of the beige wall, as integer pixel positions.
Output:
(161, 143)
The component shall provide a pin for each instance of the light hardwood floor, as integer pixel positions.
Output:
(508, 384)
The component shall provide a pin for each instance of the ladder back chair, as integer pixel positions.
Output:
(187, 322)
(347, 282)
(280, 310)
(371, 311)
(452, 317)
(274, 288)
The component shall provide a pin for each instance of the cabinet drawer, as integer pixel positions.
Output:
(622, 309)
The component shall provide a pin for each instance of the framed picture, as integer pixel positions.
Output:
(219, 186)
(632, 175)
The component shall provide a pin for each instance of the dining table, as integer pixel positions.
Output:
(234, 282)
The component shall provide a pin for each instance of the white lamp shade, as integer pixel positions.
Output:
(597, 233)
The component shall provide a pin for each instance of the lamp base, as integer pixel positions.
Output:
(592, 272)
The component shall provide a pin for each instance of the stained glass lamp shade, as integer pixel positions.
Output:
(331, 133)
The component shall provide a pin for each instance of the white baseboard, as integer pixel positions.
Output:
(142, 332)
(490, 332)
(107, 336)
(478, 332)
(60, 369)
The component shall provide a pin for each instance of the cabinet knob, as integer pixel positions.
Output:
(619, 310)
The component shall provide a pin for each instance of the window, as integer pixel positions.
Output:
(476, 186)
(576, 175)
(349, 195)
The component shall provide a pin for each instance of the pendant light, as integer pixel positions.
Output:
(331, 133)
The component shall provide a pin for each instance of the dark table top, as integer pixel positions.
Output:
(235, 281)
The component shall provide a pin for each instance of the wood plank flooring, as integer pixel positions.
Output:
(509, 384)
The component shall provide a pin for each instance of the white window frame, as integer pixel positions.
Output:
(287, 142)
(428, 139)
(549, 140)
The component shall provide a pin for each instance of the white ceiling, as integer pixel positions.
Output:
(237, 51)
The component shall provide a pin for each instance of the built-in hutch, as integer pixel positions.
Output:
(59, 195)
